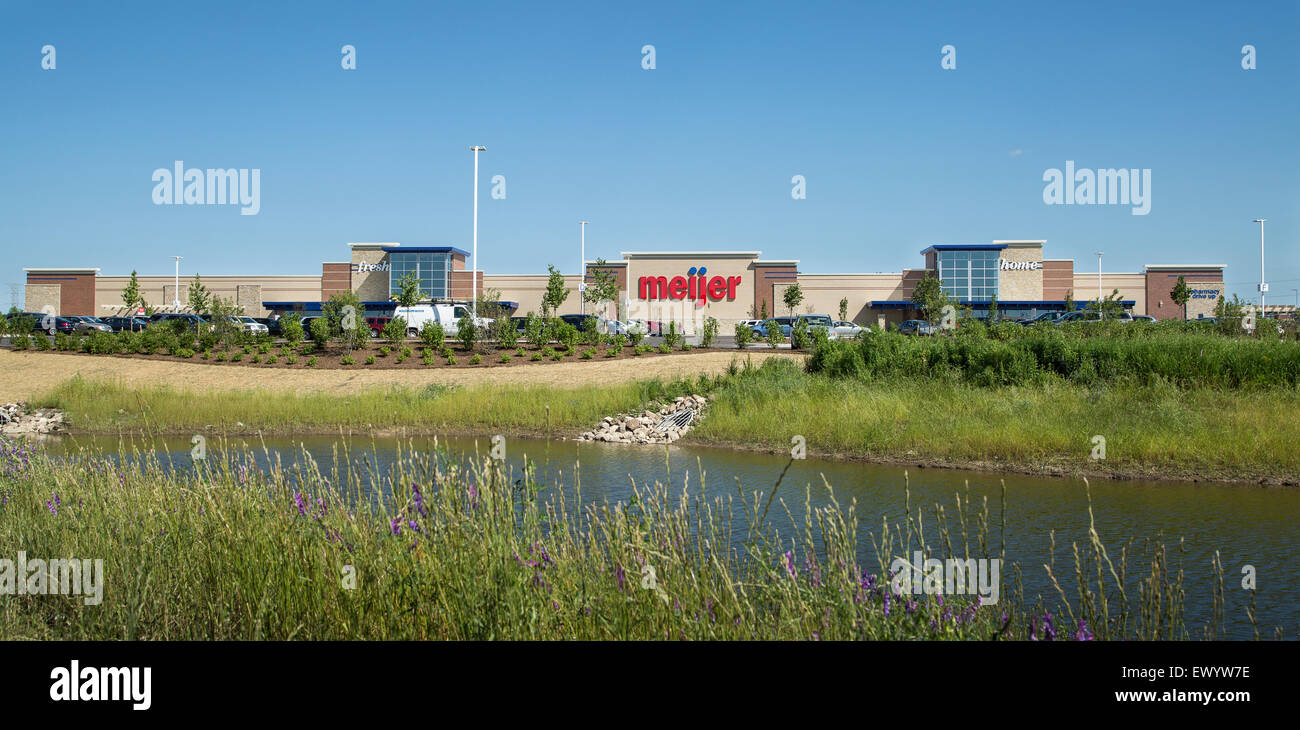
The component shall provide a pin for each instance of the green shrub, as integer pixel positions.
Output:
(290, 359)
(611, 352)
(672, 336)
(291, 328)
(237, 356)
(536, 356)
(451, 359)
(588, 353)
(221, 357)
(535, 330)
(311, 361)
(370, 360)
(708, 332)
(255, 359)
(395, 331)
(504, 357)
(664, 348)
(635, 335)
(384, 350)
(503, 328)
(476, 359)
(567, 335)
(348, 360)
(320, 332)
(433, 336)
(800, 339)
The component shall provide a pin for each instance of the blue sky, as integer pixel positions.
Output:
(696, 154)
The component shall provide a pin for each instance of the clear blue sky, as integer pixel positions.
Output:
(697, 154)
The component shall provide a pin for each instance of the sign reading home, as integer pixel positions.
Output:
(695, 286)
(1006, 265)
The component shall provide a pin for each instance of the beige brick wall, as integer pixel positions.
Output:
(1203, 306)
(370, 286)
(1021, 285)
(40, 296)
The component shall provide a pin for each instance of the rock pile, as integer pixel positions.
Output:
(15, 419)
(640, 428)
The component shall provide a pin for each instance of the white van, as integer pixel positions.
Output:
(447, 315)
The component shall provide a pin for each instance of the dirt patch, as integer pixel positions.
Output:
(27, 375)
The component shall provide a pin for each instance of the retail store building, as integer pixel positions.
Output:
(682, 286)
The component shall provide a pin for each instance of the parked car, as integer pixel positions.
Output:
(86, 323)
(133, 324)
(193, 320)
(1087, 315)
(1143, 318)
(818, 321)
(272, 324)
(760, 329)
(842, 330)
(377, 325)
(254, 326)
(1042, 318)
(916, 327)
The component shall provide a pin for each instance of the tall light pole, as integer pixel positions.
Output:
(1099, 278)
(582, 269)
(1263, 287)
(176, 299)
(473, 272)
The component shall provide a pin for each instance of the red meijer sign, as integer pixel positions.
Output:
(695, 286)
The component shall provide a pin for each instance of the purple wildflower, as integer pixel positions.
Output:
(300, 503)
(396, 526)
(1082, 633)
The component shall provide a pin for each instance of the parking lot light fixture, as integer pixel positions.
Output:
(582, 268)
(176, 298)
(473, 272)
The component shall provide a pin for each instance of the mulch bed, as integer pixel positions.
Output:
(332, 358)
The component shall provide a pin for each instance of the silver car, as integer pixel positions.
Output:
(252, 325)
(84, 323)
(842, 330)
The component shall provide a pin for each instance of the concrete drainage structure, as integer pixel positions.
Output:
(663, 425)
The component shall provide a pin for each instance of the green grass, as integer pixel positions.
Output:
(111, 408)
(466, 552)
(1152, 430)
(1201, 432)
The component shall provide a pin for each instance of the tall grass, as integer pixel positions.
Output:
(1041, 354)
(1158, 429)
(105, 406)
(447, 550)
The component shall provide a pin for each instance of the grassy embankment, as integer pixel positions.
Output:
(462, 551)
(1152, 429)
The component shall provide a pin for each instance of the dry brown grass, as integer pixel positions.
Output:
(25, 375)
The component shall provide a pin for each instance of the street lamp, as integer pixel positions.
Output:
(1099, 278)
(176, 299)
(1263, 286)
(473, 272)
(582, 269)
